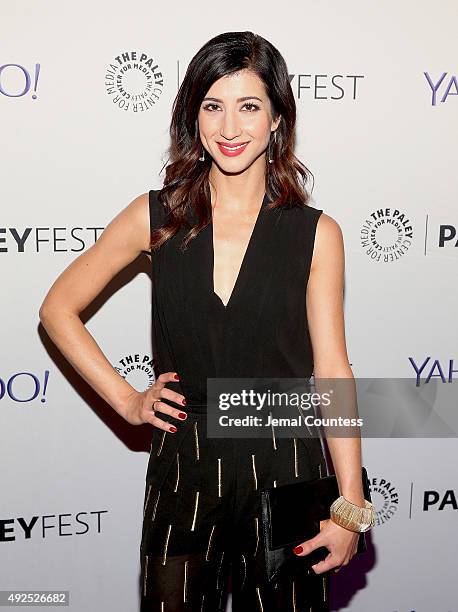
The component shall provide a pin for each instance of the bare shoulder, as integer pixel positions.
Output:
(329, 242)
(132, 223)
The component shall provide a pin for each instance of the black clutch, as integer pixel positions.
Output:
(291, 514)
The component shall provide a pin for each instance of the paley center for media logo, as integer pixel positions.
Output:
(137, 369)
(387, 501)
(386, 234)
(134, 81)
(384, 497)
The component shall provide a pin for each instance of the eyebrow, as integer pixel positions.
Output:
(238, 99)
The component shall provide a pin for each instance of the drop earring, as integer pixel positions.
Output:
(202, 157)
(270, 159)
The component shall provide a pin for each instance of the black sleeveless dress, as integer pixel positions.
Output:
(201, 527)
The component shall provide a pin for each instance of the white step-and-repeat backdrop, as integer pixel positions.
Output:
(377, 97)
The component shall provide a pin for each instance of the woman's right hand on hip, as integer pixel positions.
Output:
(140, 409)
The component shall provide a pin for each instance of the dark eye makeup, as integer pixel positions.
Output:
(254, 107)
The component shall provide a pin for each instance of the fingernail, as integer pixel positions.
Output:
(183, 401)
(182, 415)
(176, 377)
(173, 428)
(298, 549)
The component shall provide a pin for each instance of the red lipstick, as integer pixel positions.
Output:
(232, 150)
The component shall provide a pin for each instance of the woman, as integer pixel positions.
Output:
(247, 281)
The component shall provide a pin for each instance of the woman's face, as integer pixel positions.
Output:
(236, 111)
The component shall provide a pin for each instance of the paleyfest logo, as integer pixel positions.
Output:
(134, 81)
(386, 235)
(326, 86)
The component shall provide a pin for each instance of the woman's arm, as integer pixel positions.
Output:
(327, 332)
(121, 242)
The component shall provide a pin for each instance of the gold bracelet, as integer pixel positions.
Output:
(353, 517)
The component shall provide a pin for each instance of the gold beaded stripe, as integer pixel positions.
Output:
(185, 580)
(219, 571)
(273, 433)
(257, 535)
(196, 437)
(162, 443)
(294, 597)
(209, 543)
(155, 505)
(146, 500)
(261, 608)
(195, 511)
(164, 558)
(178, 472)
(324, 588)
(219, 477)
(295, 457)
(145, 577)
(254, 471)
(244, 570)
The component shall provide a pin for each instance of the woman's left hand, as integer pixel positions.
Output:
(341, 543)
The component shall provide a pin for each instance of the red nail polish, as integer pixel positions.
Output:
(182, 415)
(183, 401)
(298, 549)
(176, 377)
(173, 428)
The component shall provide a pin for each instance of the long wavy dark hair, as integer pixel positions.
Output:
(186, 187)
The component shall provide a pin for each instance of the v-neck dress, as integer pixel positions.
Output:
(201, 525)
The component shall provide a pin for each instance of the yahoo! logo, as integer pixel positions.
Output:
(450, 87)
(18, 74)
(13, 388)
(433, 369)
